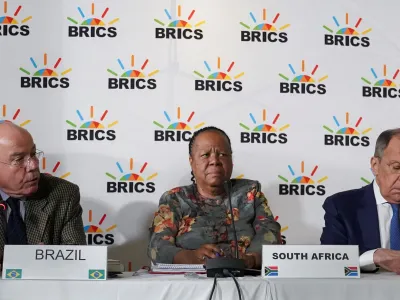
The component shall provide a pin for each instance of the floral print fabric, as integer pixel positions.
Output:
(186, 220)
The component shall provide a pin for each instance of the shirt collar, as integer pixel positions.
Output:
(378, 196)
(4, 196)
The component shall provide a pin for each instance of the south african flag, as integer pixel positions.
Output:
(350, 271)
(271, 271)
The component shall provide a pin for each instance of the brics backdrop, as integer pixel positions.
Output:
(113, 90)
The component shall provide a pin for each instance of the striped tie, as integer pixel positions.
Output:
(395, 228)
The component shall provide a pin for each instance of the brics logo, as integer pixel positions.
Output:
(96, 235)
(45, 77)
(53, 170)
(347, 136)
(302, 83)
(9, 25)
(218, 80)
(131, 182)
(91, 130)
(347, 36)
(264, 133)
(382, 87)
(92, 26)
(13, 118)
(178, 28)
(302, 185)
(176, 131)
(132, 78)
(264, 32)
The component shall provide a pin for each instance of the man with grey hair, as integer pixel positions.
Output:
(369, 216)
(35, 208)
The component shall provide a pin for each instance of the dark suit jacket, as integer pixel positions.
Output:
(53, 215)
(351, 218)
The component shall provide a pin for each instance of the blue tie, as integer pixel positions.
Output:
(395, 228)
(16, 230)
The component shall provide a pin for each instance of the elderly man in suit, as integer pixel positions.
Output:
(36, 208)
(369, 216)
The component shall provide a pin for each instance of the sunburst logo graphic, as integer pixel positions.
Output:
(347, 134)
(346, 35)
(91, 228)
(179, 125)
(260, 131)
(132, 72)
(179, 22)
(304, 77)
(133, 77)
(347, 129)
(94, 25)
(178, 130)
(218, 80)
(303, 82)
(264, 127)
(13, 118)
(381, 86)
(96, 234)
(303, 179)
(92, 20)
(45, 71)
(92, 124)
(382, 81)
(8, 19)
(180, 28)
(264, 31)
(264, 25)
(92, 129)
(131, 176)
(219, 74)
(347, 30)
(53, 171)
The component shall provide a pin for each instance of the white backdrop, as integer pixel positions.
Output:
(301, 38)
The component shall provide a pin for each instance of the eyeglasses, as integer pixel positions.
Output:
(25, 162)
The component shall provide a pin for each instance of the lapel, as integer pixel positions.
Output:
(37, 213)
(2, 232)
(368, 220)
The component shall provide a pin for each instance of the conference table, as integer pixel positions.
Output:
(383, 286)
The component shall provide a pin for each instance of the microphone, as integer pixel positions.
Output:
(3, 205)
(228, 189)
(225, 266)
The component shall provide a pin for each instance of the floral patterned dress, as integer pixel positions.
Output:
(186, 220)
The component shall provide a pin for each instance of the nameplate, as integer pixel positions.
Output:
(310, 261)
(55, 262)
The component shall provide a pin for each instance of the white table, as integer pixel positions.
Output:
(148, 287)
(383, 286)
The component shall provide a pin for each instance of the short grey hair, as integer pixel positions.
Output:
(383, 141)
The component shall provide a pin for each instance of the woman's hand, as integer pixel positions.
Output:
(206, 251)
(197, 256)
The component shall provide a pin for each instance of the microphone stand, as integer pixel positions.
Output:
(225, 266)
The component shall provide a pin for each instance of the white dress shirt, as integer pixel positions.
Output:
(385, 214)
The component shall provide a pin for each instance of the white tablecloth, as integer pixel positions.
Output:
(383, 286)
(147, 287)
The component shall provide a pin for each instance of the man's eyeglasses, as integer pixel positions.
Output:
(25, 161)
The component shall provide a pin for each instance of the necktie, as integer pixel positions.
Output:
(16, 230)
(395, 228)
